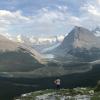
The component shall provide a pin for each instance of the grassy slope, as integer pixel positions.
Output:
(63, 92)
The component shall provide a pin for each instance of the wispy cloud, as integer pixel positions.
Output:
(45, 21)
(9, 20)
(91, 14)
(47, 17)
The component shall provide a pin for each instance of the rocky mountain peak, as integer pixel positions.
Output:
(79, 32)
(79, 37)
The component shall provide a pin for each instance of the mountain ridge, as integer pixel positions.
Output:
(17, 57)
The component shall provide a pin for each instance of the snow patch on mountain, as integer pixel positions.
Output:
(50, 48)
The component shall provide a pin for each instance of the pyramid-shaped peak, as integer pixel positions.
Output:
(78, 31)
(78, 36)
(81, 29)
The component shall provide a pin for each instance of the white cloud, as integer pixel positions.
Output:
(54, 21)
(47, 16)
(9, 17)
(91, 9)
(74, 21)
(90, 16)
(8, 20)
(62, 8)
(12, 16)
(45, 21)
(98, 2)
(19, 39)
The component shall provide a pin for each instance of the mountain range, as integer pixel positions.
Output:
(73, 55)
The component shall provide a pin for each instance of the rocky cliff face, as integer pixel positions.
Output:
(80, 38)
(79, 42)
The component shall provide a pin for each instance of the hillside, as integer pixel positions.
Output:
(7, 45)
(15, 57)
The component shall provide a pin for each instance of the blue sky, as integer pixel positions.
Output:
(47, 17)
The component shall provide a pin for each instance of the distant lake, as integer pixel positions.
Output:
(12, 87)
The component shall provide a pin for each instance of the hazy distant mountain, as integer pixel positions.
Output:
(39, 43)
(47, 43)
(80, 42)
(96, 31)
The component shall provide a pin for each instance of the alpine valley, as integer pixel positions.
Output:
(75, 60)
